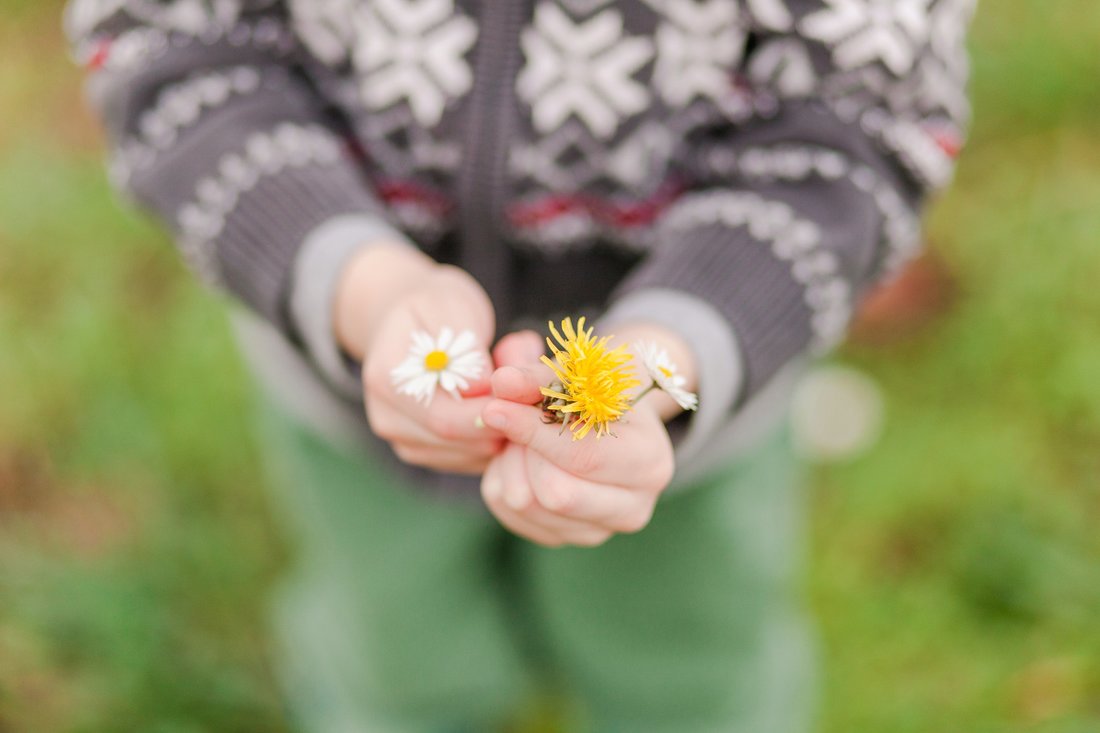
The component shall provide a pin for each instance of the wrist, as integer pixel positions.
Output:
(371, 282)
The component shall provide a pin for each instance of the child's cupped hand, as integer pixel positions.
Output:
(556, 491)
(446, 434)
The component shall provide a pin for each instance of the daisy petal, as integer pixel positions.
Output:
(462, 343)
(445, 338)
(468, 365)
(422, 342)
(418, 378)
(447, 382)
(408, 369)
(420, 388)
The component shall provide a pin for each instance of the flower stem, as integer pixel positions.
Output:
(652, 386)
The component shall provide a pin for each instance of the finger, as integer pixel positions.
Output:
(448, 419)
(565, 495)
(478, 388)
(492, 492)
(395, 426)
(517, 492)
(522, 527)
(443, 459)
(526, 425)
(399, 429)
(481, 385)
(521, 524)
(491, 485)
(433, 456)
(518, 348)
(484, 448)
(518, 497)
(521, 383)
(552, 531)
(636, 457)
(457, 420)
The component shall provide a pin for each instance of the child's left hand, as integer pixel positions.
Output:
(556, 491)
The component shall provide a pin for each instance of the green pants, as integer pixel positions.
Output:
(407, 613)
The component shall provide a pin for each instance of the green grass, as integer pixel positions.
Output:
(954, 568)
(135, 545)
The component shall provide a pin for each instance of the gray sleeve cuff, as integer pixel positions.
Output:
(317, 268)
(712, 340)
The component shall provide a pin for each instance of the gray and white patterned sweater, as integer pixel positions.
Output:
(738, 170)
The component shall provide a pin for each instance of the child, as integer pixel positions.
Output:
(721, 178)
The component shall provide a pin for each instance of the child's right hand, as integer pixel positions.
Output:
(386, 294)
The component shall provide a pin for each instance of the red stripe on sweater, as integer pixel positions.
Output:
(100, 53)
(405, 192)
(624, 215)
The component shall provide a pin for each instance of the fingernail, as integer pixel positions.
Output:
(496, 420)
(478, 422)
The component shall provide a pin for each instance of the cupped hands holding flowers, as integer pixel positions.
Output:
(431, 330)
(563, 490)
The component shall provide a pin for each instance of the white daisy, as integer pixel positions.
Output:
(663, 373)
(448, 361)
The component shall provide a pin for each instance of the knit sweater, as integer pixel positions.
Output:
(739, 171)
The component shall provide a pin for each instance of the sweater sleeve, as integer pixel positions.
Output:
(214, 128)
(847, 115)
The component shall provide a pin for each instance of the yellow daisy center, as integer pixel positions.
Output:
(436, 361)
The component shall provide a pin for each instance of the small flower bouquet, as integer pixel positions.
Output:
(593, 380)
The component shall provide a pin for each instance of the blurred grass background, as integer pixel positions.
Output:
(954, 568)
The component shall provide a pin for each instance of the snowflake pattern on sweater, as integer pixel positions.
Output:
(767, 156)
(582, 69)
(414, 52)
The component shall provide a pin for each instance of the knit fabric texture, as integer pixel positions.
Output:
(767, 158)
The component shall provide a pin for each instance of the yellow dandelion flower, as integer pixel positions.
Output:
(593, 380)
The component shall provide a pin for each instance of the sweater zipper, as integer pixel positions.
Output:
(483, 177)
